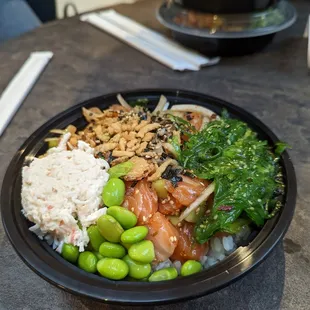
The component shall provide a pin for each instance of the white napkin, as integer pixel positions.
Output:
(148, 41)
(306, 35)
(19, 87)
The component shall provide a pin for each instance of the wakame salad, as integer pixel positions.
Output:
(245, 171)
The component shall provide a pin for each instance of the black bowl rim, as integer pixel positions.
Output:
(195, 32)
(76, 281)
(215, 10)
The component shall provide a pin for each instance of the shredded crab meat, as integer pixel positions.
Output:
(75, 177)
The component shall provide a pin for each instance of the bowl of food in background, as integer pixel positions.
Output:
(226, 6)
(226, 34)
(152, 196)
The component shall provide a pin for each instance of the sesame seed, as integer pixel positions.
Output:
(171, 202)
(137, 191)
(144, 218)
(132, 209)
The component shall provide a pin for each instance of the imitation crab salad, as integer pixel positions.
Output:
(151, 195)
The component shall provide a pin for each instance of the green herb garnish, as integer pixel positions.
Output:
(142, 102)
(182, 125)
(245, 171)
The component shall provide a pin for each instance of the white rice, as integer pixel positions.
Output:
(220, 248)
(167, 263)
(177, 265)
(228, 243)
(62, 188)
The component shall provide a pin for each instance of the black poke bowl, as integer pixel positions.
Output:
(48, 264)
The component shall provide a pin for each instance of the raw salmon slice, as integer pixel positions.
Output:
(142, 200)
(187, 191)
(163, 235)
(187, 247)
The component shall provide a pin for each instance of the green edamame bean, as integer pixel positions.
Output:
(165, 274)
(112, 268)
(126, 245)
(114, 192)
(125, 217)
(135, 234)
(190, 267)
(98, 255)
(70, 252)
(142, 251)
(95, 238)
(137, 270)
(108, 249)
(110, 228)
(88, 261)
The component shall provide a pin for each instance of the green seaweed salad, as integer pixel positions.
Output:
(245, 170)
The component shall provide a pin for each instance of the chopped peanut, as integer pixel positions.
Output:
(131, 143)
(106, 147)
(117, 127)
(116, 153)
(148, 137)
(122, 144)
(146, 129)
(72, 129)
(141, 125)
(143, 145)
(73, 141)
(116, 138)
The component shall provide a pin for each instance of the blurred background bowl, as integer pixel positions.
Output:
(227, 6)
(226, 34)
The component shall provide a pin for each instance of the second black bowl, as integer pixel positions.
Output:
(227, 6)
(40, 257)
(226, 35)
(224, 47)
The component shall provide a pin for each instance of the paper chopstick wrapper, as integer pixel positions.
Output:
(156, 38)
(19, 87)
(307, 36)
(147, 41)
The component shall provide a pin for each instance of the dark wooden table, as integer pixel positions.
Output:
(273, 85)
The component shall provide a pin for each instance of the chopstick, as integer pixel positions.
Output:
(147, 41)
(308, 49)
(138, 43)
(155, 38)
(306, 35)
(19, 87)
